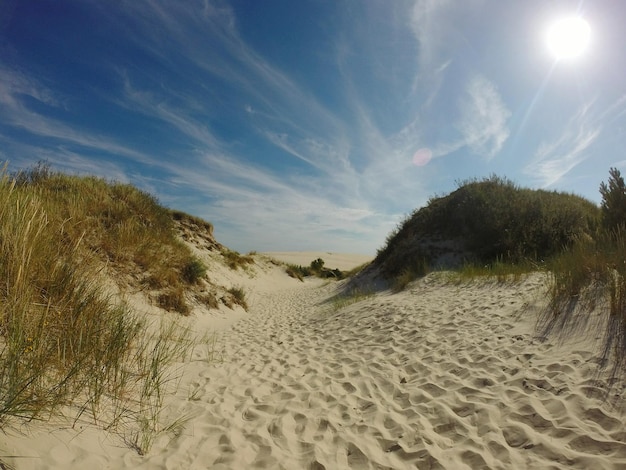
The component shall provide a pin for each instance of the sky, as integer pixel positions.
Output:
(311, 125)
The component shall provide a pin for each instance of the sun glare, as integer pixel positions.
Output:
(568, 38)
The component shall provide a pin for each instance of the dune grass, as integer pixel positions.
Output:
(409, 273)
(499, 270)
(65, 346)
(589, 277)
(116, 224)
(238, 297)
(350, 297)
(297, 271)
(234, 260)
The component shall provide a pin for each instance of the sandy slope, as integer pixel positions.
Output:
(439, 376)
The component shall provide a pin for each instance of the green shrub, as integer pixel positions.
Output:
(193, 271)
(317, 265)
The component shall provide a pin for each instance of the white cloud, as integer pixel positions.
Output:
(428, 21)
(14, 113)
(180, 119)
(554, 159)
(13, 84)
(484, 116)
(275, 212)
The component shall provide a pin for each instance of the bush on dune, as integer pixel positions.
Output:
(489, 220)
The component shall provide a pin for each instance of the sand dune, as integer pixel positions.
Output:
(439, 376)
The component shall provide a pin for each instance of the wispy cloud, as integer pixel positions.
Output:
(429, 22)
(439, 27)
(555, 158)
(484, 118)
(14, 84)
(251, 203)
(157, 107)
(482, 121)
(15, 113)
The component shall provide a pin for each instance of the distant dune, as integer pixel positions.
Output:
(341, 261)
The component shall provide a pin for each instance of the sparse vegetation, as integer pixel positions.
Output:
(156, 354)
(173, 299)
(208, 298)
(237, 297)
(350, 297)
(297, 272)
(356, 270)
(316, 268)
(499, 270)
(200, 223)
(234, 260)
(418, 269)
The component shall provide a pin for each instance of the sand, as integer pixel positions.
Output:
(438, 376)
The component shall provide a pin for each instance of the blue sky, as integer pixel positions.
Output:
(311, 125)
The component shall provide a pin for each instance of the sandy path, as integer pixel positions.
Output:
(436, 377)
(439, 376)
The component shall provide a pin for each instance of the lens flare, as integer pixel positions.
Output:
(422, 157)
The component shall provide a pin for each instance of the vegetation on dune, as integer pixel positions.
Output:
(349, 297)
(316, 268)
(486, 221)
(591, 276)
(237, 297)
(119, 225)
(235, 260)
(64, 343)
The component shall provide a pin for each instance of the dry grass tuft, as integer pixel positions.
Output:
(234, 260)
(237, 297)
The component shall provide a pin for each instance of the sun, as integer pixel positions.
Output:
(568, 38)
